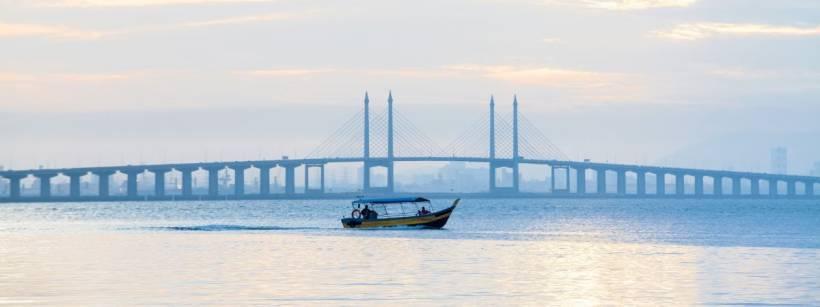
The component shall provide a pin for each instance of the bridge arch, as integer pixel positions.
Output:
(89, 184)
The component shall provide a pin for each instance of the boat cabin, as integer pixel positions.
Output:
(391, 207)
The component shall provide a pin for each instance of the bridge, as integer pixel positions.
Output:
(380, 142)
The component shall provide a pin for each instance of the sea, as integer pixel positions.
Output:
(544, 252)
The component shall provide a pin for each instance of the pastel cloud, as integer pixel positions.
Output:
(287, 72)
(59, 32)
(626, 5)
(704, 30)
(15, 77)
(133, 3)
(543, 76)
(47, 31)
(590, 85)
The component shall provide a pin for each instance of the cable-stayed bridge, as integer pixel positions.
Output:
(377, 142)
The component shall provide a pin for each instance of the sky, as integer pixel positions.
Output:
(698, 83)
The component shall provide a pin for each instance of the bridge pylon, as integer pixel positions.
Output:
(371, 162)
(495, 162)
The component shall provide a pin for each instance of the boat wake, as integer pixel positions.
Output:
(218, 227)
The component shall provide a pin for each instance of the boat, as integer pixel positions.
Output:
(397, 212)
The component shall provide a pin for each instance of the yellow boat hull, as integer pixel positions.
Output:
(434, 220)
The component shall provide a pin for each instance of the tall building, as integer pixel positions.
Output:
(816, 170)
(779, 160)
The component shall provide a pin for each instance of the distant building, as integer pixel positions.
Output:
(816, 170)
(779, 160)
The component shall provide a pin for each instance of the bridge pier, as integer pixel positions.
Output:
(717, 185)
(773, 187)
(290, 178)
(14, 185)
(45, 184)
(809, 188)
(213, 180)
(736, 186)
(131, 189)
(581, 178)
(103, 179)
(680, 184)
(755, 187)
(264, 178)
(621, 182)
(660, 183)
(74, 183)
(600, 181)
(641, 183)
(187, 179)
(159, 180)
(698, 184)
(239, 178)
(791, 190)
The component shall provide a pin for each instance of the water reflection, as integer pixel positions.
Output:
(245, 268)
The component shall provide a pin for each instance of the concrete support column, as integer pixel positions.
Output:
(306, 177)
(390, 177)
(621, 182)
(601, 180)
(679, 184)
(159, 180)
(104, 178)
(14, 185)
(213, 180)
(809, 188)
(736, 186)
(581, 177)
(717, 185)
(290, 179)
(773, 187)
(790, 187)
(641, 188)
(755, 189)
(660, 183)
(45, 184)
(264, 179)
(132, 182)
(187, 180)
(699, 185)
(239, 179)
(74, 184)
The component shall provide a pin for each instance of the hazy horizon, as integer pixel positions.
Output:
(708, 84)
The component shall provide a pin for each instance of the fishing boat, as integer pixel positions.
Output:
(397, 212)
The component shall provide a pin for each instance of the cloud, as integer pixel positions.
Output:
(242, 20)
(744, 74)
(132, 3)
(541, 76)
(625, 5)
(704, 30)
(293, 72)
(47, 31)
(15, 77)
(67, 33)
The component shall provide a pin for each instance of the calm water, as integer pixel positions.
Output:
(556, 252)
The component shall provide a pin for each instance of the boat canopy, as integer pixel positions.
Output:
(390, 200)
